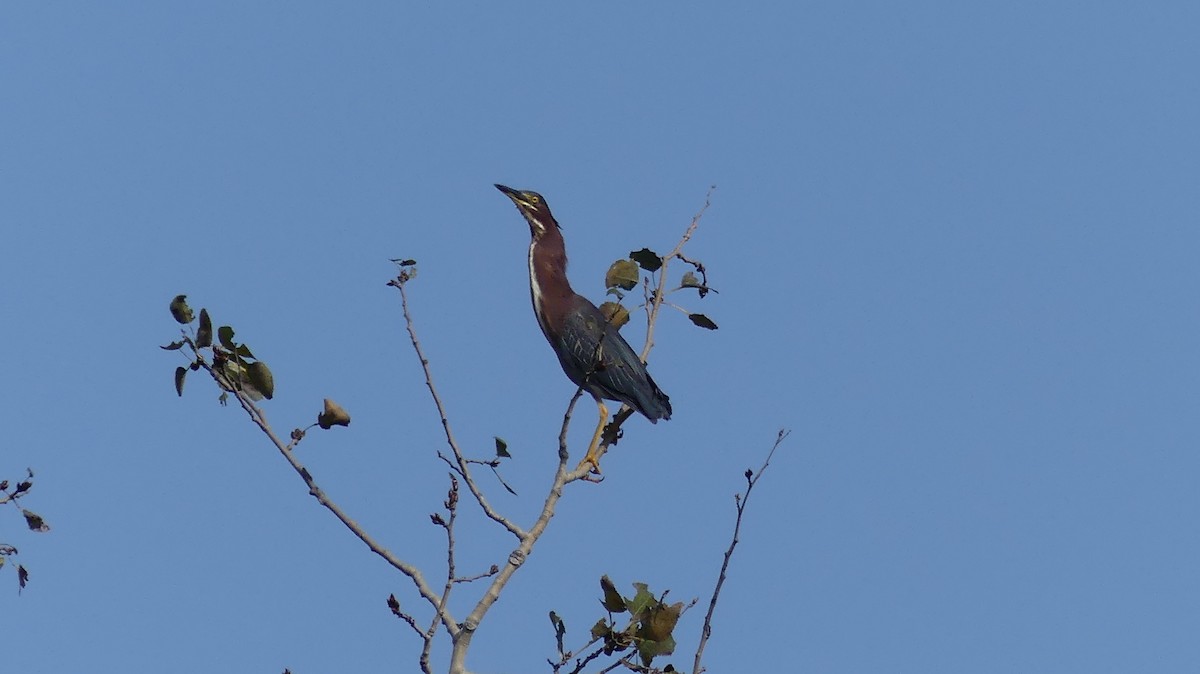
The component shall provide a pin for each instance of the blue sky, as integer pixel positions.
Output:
(955, 245)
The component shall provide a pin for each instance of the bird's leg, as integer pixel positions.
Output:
(592, 458)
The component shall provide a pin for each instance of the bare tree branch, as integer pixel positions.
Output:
(460, 460)
(740, 500)
(462, 641)
(260, 419)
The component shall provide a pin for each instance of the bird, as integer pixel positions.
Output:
(591, 351)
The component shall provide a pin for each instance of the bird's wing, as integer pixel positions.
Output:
(612, 369)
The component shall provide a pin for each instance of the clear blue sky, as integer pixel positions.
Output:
(955, 245)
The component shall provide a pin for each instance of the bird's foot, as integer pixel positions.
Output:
(591, 462)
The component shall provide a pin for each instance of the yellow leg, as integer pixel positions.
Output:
(591, 458)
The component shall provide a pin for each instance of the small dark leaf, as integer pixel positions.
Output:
(703, 321)
(261, 379)
(502, 448)
(173, 346)
(180, 374)
(22, 577)
(393, 604)
(243, 351)
(404, 263)
(333, 415)
(180, 310)
(615, 314)
(622, 274)
(647, 259)
(225, 337)
(35, 521)
(23, 487)
(437, 519)
(690, 281)
(560, 627)
(204, 334)
(613, 601)
(3, 485)
(600, 629)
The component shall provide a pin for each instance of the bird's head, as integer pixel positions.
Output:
(533, 206)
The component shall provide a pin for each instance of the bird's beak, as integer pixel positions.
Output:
(517, 197)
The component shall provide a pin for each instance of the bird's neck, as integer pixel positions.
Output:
(547, 276)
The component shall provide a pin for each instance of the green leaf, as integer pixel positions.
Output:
(225, 337)
(652, 649)
(180, 310)
(600, 629)
(622, 274)
(615, 314)
(690, 281)
(502, 448)
(613, 601)
(261, 379)
(647, 259)
(243, 351)
(173, 346)
(703, 321)
(641, 601)
(204, 334)
(180, 374)
(235, 378)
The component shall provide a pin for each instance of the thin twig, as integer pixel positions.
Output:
(740, 500)
(451, 505)
(461, 460)
(479, 576)
(412, 622)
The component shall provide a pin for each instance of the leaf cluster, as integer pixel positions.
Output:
(33, 521)
(648, 630)
(233, 364)
(626, 274)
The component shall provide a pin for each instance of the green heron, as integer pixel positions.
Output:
(591, 351)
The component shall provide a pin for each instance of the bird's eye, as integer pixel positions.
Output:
(533, 198)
